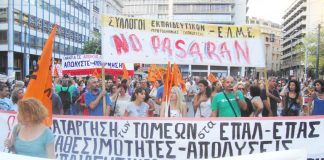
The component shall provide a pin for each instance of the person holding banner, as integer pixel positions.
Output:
(177, 108)
(228, 102)
(122, 101)
(137, 107)
(93, 99)
(30, 136)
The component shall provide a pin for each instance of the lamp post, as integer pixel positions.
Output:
(24, 71)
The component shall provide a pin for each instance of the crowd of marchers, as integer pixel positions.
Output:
(137, 97)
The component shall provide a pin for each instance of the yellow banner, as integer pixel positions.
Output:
(184, 28)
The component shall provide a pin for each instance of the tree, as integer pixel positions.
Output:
(310, 42)
(93, 46)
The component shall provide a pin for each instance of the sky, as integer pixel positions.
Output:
(272, 10)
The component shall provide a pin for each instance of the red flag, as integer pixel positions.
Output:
(40, 84)
(212, 78)
(96, 74)
(167, 83)
(125, 74)
(56, 73)
(152, 73)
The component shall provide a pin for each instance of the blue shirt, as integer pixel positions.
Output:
(159, 93)
(5, 104)
(36, 147)
(98, 110)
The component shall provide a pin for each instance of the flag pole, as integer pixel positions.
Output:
(104, 107)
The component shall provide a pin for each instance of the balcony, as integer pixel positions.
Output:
(298, 11)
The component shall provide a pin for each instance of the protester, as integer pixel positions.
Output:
(247, 97)
(137, 107)
(121, 102)
(256, 101)
(30, 136)
(16, 95)
(317, 98)
(5, 102)
(292, 101)
(57, 106)
(67, 93)
(202, 101)
(176, 106)
(272, 108)
(228, 102)
(113, 95)
(93, 99)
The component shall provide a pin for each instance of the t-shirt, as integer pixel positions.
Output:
(273, 102)
(5, 104)
(35, 148)
(159, 93)
(98, 110)
(222, 106)
(72, 89)
(137, 111)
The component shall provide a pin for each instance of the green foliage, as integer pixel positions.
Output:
(310, 42)
(94, 45)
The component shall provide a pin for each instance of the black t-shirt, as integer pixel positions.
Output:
(273, 102)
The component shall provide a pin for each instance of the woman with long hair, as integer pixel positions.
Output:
(30, 136)
(176, 108)
(137, 107)
(292, 101)
(122, 101)
(256, 101)
(318, 97)
(202, 100)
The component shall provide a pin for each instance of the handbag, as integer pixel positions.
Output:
(112, 113)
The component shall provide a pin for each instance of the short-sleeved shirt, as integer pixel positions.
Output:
(98, 110)
(5, 104)
(159, 93)
(137, 111)
(72, 89)
(36, 147)
(222, 106)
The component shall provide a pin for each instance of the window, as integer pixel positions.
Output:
(3, 15)
(17, 38)
(3, 37)
(32, 41)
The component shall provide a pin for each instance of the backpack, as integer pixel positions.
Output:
(66, 98)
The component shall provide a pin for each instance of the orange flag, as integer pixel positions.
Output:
(56, 73)
(152, 73)
(177, 78)
(167, 84)
(125, 74)
(96, 74)
(212, 78)
(40, 84)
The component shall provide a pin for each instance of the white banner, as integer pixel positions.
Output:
(84, 64)
(156, 41)
(187, 138)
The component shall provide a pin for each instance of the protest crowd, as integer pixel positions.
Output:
(138, 97)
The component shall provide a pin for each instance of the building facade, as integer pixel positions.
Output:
(301, 18)
(227, 12)
(27, 25)
(272, 34)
